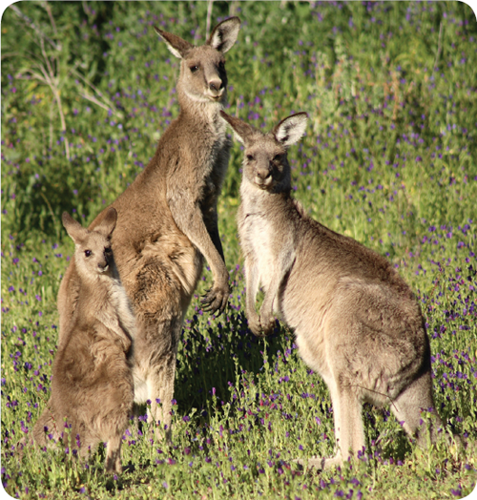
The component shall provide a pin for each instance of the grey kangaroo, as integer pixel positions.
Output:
(356, 321)
(92, 386)
(167, 221)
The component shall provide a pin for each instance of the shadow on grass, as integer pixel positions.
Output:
(212, 361)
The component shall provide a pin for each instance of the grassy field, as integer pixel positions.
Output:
(390, 158)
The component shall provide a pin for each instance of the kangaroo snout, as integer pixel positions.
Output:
(104, 263)
(103, 266)
(216, 88)
(215, 85)
(263, 177)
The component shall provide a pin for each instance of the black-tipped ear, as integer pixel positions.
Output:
(176, 45)
(291, 129)
(107, 225)
(74, 229)
(225, 34)
(242, 130)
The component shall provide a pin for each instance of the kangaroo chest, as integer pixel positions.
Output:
(258, 236)
(112, 308)
(120, 303)
(214, 167)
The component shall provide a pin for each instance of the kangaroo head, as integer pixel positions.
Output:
(265, 162)
(93, 254)
(203, 77)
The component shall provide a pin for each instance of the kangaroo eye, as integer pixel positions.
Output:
(277, 158)
(249, 157)
(88, 253)
(107, 249)
(193, 69)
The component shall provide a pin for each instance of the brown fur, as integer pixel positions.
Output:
(356, 321)
(92, 387)
(167, 220)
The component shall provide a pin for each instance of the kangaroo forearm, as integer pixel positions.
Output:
(267, 307)
(209, 215)
(194, 228)
(251, 283)
(274, 286)
(213, 257)
(250, 305)
(215, 237)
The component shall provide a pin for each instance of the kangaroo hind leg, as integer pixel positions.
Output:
(113, 455)
(348, 424)
(161, 377)
(349, 431)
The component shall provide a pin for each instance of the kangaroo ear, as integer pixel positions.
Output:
(242, 130)
(225, 34)
(107, 225)
(176, 45)
(291, 129)
(74, 229)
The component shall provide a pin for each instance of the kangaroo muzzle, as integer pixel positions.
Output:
(263, 177)
(215, 87)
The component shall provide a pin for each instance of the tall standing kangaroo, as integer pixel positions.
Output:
(92, 383)
(167, 220)
(356, 321)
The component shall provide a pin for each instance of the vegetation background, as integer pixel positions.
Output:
(390, 158)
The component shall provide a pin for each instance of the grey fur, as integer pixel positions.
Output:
(167, 220)
(92, 385)
(356, 321)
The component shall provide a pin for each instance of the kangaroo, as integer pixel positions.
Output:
(92, 386)
(356, 321)
(167, 221)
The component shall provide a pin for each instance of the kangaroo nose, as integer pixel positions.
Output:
(263, 173)
(103, 266)
(215, 85)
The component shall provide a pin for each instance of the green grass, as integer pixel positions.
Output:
(390, 158)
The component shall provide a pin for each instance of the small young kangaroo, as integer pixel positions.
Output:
(92, 385)
(356, 321)
(167, 220)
